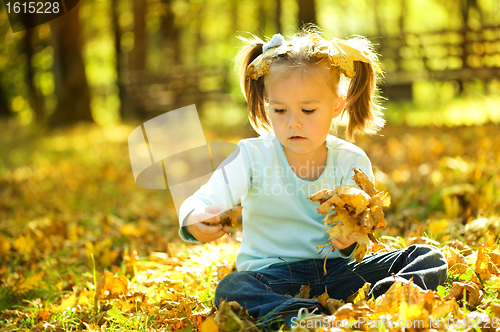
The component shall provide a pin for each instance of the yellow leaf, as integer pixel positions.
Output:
(482, 263)
(111, 286)
(24, 244)
(438, 226)
(456, 262)
(209, 326)
(360, 294)
(403, 308)
(4, 247)
(67, 302)
(30, 282)
(129, 229)
(360, 252)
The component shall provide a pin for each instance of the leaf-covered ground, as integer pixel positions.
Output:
(83, 248)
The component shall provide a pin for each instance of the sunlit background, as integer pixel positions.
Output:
(143, 58)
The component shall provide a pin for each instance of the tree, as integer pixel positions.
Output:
(278, 16)
(170, 34)
(5, 111)
(307, 12)
(37, 102)
(72, 89)
(138, 56)
(126, 111)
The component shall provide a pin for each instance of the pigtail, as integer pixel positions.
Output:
(365, 116)
(253, 90)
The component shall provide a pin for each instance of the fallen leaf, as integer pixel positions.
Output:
(474, 294)
(360, 294)
(29, 283)
(24, 244)
(457, 264)
(323, 298)
(303, 292)
(111, 286)
(209, 326)
(232, 317)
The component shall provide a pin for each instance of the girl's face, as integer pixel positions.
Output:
(301, 108)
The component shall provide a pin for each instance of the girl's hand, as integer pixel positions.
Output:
(203, 223)
(342, 243)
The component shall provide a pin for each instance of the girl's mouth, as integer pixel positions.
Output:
(297, 138)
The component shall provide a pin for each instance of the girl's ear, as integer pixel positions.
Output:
(339, 106)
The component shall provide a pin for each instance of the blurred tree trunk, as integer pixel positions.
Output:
(261, 16)
(198, 21)
(138, 54)
(5, 111)
(36, 101)
(278, 16)
(402, 30)
(465, 9)
(137, 57)
(170, 34)
(307, 12)
(126, 111)
(72, 89)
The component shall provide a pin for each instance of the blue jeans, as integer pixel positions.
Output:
(263, 291)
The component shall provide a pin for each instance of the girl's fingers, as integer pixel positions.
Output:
(216, 209)
(338, 244)
(208, 236)
(210, 229)
(209, 218)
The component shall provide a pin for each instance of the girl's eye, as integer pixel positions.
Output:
(283, 111)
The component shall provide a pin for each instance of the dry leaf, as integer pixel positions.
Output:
(333, 305)
(303, 292)
(364, 182)
(457, 264)
(232, 317)
(111, 286)
(354, 211)
(230, 217)
(473, 293)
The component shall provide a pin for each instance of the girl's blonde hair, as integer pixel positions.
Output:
(365, 115)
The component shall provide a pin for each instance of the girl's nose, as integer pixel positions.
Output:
(294, 121)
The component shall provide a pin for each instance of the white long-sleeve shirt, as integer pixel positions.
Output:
(278, 219)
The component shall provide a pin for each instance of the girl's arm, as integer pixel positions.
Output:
(223, 191)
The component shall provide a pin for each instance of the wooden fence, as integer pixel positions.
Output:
(460, 55)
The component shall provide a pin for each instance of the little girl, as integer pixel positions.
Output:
(293, 90)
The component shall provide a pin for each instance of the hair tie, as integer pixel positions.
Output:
(276, 41)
